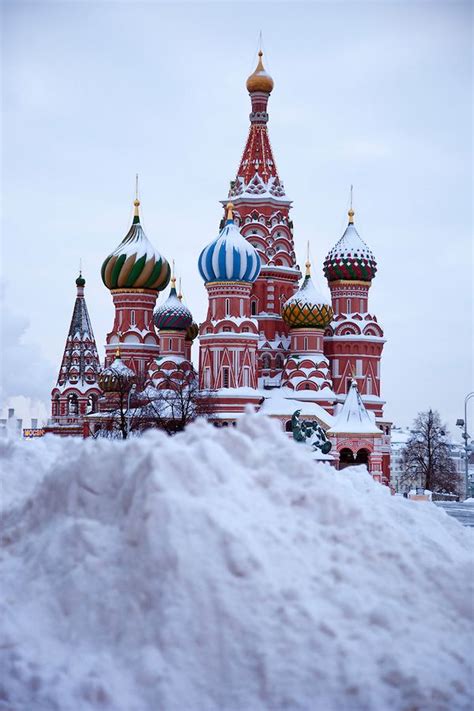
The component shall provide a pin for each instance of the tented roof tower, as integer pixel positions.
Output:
(80, 364)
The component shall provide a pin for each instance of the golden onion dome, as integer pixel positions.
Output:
(308, 308)
(260, 80)
(117, 377)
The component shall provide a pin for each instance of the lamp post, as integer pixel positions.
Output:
(465, 436)
(130, 393)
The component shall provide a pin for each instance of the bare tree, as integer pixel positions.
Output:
(426, 457)
(179, 401)
(117, 420)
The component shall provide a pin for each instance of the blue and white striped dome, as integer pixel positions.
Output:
(229, 257)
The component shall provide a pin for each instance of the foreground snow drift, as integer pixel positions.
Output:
(223, 570)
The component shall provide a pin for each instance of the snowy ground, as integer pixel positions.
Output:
(224, 570)
(463, 511)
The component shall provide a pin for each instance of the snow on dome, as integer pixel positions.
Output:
(230, 257)
(224, 570)
(353, 417)
(116, 376)
(173, 314)
(308, 307)
(260, 79)
(136, 264)
(350, 258)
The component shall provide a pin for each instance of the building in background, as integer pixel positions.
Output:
(266, 341)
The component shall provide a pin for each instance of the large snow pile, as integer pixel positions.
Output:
(224, 570)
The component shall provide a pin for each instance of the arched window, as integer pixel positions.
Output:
(288, 426)
(72, 404)
(253, 308)
(279, 361)
(266, 361)
(132, 317)
(56, 406)
(91, 404)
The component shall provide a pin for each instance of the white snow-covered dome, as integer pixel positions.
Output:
(173, 314)
(308, 307)
(230, 257)
(350, 258)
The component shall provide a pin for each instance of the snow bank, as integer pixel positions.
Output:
(224, 570)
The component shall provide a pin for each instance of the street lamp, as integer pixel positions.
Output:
(130, 393)
(465, 436)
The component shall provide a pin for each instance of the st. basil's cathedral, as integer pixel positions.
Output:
(267, 340)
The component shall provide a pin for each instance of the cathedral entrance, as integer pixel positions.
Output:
(346, 458)
(362, 457)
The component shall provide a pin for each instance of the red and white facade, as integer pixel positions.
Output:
(77, 390)
(250, 350)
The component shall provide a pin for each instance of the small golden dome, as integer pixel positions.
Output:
(260, 80)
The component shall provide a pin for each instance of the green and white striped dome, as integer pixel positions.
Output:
(136, 264)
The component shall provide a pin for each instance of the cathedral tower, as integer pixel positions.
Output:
(262, 213)
(306, 373)
(174, 323)
(229, 336)
(135, 272)
(355, 340)
(77, 391)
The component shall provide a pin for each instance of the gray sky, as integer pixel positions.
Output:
(376, 94)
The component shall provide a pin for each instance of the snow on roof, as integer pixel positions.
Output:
(309, 293)
(352, 244)
(353, 417)
(277, 404)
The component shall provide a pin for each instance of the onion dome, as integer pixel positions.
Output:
(260, 80)
(136, 264)
(350, 258)
(80, 281)
(308, 308)
(230, 257)
(192, 331)
(173, 315)
(116, 377)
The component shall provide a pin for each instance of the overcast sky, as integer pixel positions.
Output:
(376, 94)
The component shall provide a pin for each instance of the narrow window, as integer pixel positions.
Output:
(369, 385)
(225, 377)
(335, 368)
(362, 306)
(170, 344)
(246, 377)
(207, 377)
(305, 344)
(132, 317)
(358, 368)
(227, 307)
(348, 303)
(253, 308)
(241, 307)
